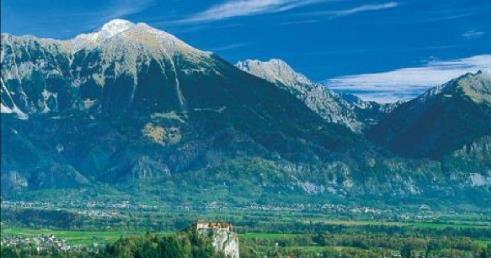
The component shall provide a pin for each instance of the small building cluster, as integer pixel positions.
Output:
(222, 236)
(202, 225)
(40, 243)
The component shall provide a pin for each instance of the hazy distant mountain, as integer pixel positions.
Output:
(441, 120)
(368, 112)
(133, 109)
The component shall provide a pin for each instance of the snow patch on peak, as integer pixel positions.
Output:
(274, 70)
(118, 36)
(108, 30)
(114, 27)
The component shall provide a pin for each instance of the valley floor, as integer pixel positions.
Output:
(345, 243)
(341, 231)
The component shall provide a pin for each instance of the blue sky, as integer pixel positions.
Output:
(371, 48)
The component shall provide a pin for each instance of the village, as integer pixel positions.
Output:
(40, 244)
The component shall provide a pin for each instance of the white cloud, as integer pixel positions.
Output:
(473, 34)
(91, 19)
(131, 7)
(353, 10)
(407, 83)
(365, 8)
(235, 8)
(110, 10)
(229, 47)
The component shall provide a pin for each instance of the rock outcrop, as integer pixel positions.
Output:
(223, 238)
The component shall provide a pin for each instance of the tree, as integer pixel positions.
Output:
(319, 239)
(432, 245)
(406, 251)
(484, 254)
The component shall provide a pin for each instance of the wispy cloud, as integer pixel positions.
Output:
(319, 16)
(180, 29)
(407, 83)
(228, 47)
(450, 13)
(111, 10)
(365, 8)
(236, 8)
(473, 34)
(353, 10)
(129, 7)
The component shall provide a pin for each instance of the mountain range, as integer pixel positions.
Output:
(130, 110)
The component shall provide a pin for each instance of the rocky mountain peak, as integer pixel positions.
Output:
(329, 105)
(47, 75)
(274, 70)
(475, 86)
(120, 33)
(437, 122)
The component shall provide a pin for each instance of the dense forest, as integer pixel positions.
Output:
(192, 244)
(183, 244)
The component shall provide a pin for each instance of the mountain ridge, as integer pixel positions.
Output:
(133, 116)
(436, 123)
(343, 109)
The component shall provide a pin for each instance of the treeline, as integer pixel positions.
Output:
(363, 245)
(192, 244)
(32, 217)
(185, 244)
